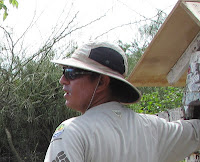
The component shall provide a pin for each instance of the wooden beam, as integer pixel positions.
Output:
(182, 64)
(192, 7)
(171, 41)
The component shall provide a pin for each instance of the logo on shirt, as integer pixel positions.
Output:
(61, 157)
(59, 130)
(117, 112)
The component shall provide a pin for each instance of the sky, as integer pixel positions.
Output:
(45, 16)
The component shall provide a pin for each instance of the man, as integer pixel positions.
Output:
(107, 131)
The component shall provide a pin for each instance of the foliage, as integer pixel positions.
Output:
(148, 31)
(31, 107)
(158, 99)
(4, 7)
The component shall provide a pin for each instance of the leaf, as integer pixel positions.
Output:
(4, 7)
(16, 3)
(5, 15)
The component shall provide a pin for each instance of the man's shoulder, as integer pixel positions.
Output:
(79, 123)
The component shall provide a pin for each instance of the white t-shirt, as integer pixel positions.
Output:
(111, 132)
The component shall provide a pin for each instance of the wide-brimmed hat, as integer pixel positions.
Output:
(107, 59)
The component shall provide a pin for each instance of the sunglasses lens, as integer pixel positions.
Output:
(69, 74)
(73, 73)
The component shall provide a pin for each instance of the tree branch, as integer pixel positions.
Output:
(14, 151)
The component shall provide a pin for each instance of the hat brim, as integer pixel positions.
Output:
(130, 93)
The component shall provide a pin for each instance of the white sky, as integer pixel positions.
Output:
(48, 13)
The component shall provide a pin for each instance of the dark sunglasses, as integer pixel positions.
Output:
(74, 73)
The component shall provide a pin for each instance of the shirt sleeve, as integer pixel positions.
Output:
(177, 140)
(66, 145)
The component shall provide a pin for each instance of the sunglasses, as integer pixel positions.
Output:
(74, 73)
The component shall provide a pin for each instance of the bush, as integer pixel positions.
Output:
(158, 99)
(31, 107)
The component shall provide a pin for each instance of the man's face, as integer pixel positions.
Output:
(78, 92)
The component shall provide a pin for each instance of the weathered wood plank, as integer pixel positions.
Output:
(182, 64)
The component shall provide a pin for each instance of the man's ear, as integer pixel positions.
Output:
(103, 83)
